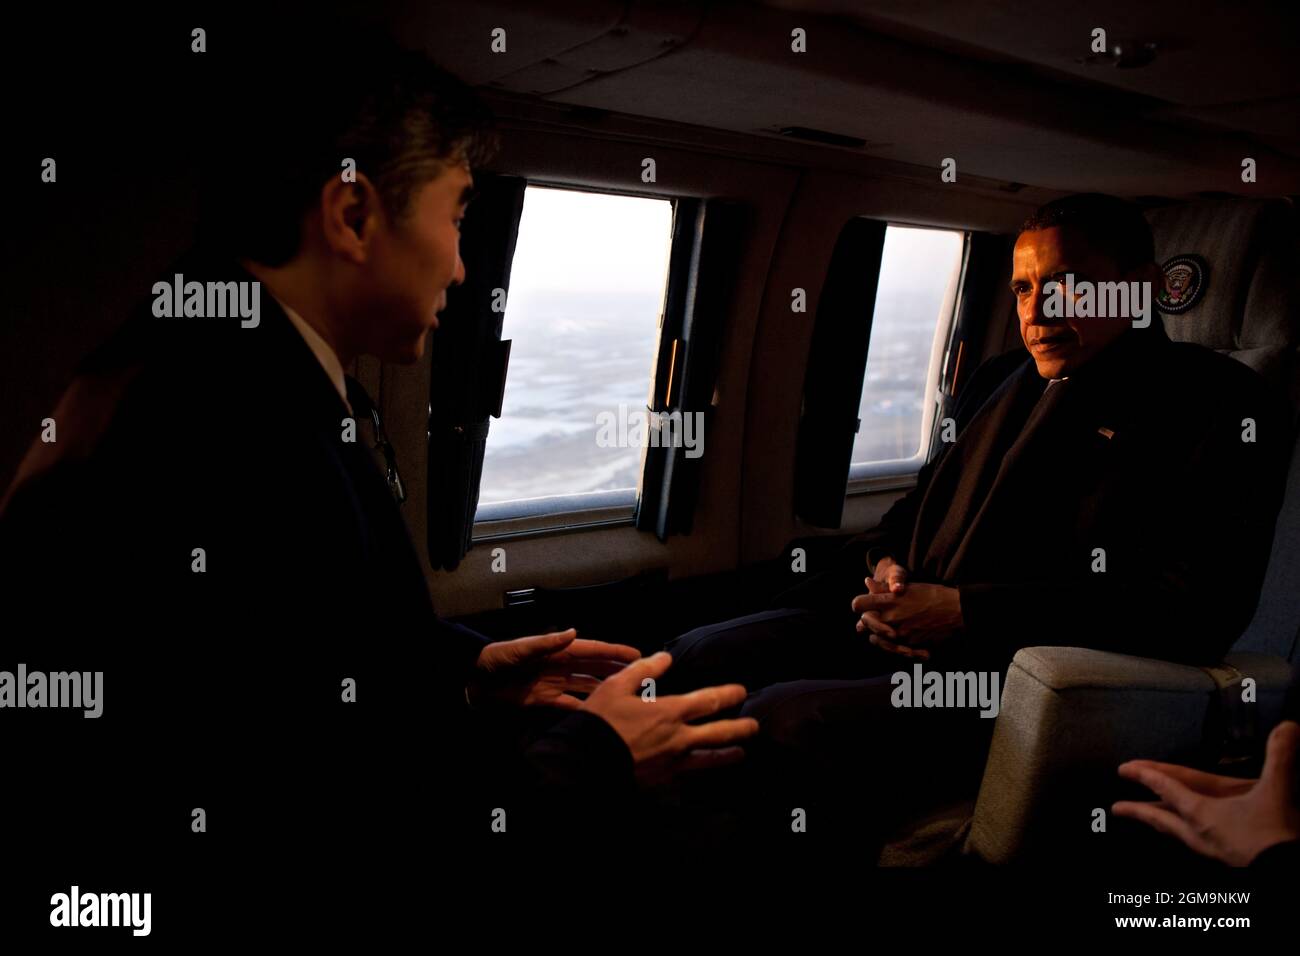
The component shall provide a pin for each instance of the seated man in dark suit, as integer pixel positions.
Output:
(1111, 489)
(207, 531)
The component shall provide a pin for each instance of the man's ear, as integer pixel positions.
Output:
(349, 216)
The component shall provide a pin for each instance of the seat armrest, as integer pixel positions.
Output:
(1069, 716)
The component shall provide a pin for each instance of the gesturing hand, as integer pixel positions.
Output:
(544, 670)
(1229, 819)
(658, 731)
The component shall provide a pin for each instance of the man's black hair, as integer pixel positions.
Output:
(1113, 225)
(291, 109)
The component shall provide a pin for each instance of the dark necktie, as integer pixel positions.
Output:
(364, 407)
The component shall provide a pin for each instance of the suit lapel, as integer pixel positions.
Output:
(1043, 427)
(963, 479)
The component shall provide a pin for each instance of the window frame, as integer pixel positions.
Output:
(581, 510)
(895, 473)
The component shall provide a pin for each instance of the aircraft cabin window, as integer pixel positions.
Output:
(586, 293)
(919, 272)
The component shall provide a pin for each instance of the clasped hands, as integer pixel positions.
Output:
(904, 618)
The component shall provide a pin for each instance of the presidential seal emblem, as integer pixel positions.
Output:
(1185, 278)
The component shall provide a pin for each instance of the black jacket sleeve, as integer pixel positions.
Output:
(463, 647)
(1280, 856)
(576, 761)
(523, 778)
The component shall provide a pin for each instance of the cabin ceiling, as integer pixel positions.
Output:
(1002, 87)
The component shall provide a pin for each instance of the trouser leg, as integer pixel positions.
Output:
(768, 648)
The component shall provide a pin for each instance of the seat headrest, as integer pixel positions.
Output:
(1250, 305)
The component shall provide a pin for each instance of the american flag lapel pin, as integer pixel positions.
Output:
(1105, 432)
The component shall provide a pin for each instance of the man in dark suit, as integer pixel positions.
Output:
(207, 531)
(1111, 489)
